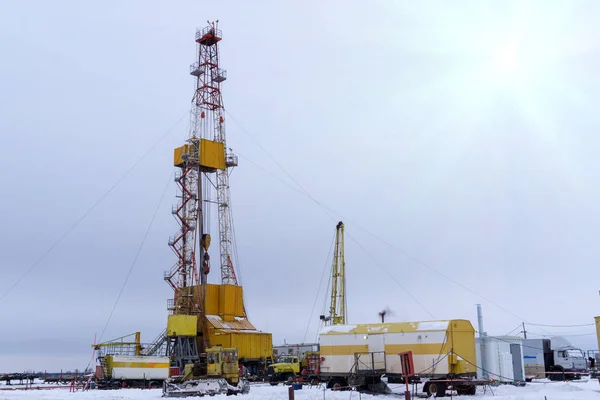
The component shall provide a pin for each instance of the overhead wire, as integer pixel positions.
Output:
(328, 210)
(560, 326)
(300, 189)
(561, 335)
(392, 277)
(265, 151)
(501, 339)
(89, 211)
(351, 237)
(318, 291)
(135, 258)
(484, 370)
(509, 341)
(518, 326)
(324, 308)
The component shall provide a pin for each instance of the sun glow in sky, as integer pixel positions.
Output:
(506, 60)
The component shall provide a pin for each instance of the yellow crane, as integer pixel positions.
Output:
(338, 305)
(289, 366)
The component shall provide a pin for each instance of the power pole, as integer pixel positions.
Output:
(524, 332)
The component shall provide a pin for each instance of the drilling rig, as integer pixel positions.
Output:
(205, 316)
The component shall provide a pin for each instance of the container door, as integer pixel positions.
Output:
(517, 359)
(377, 350)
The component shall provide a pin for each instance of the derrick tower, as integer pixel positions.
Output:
(203, 155)
(202, 314)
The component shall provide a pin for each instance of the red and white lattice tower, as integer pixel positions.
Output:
(206, 123)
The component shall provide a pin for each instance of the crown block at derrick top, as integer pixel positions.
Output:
(208, 154)
(182, 325)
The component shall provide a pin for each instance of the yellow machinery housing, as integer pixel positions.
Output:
(210, 154)
(224, 324)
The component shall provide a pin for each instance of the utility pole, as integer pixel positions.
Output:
(524, 332)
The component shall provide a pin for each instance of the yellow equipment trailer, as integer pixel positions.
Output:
(358, 355)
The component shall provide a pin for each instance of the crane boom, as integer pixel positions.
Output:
(337, 310)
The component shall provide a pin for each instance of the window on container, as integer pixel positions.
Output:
(211, 358)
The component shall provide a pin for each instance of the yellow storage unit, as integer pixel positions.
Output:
(250, 345)
(212, 299)
(182, 325)
(448, 344)
(461, 340)
(230, 302)
(227, 301)
(208, 153)
(212, 154)
(179, 153)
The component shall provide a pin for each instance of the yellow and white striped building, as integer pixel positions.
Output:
(439, 348)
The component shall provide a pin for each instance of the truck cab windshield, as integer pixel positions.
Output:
(574, 353)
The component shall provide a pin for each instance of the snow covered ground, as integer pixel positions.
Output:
(589, 389)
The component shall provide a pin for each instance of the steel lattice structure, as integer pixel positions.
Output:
(206, 122)
(337, 310)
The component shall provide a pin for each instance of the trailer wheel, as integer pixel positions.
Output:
(466, 390)
(337, 384)
(435, 388)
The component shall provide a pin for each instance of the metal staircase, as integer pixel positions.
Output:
(158, 347)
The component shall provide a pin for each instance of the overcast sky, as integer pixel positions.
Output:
(463, 134)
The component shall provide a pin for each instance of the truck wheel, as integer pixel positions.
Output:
(436, 388)
(559, 373)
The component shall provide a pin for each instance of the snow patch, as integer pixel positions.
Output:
(338, 328)
(433, 326)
